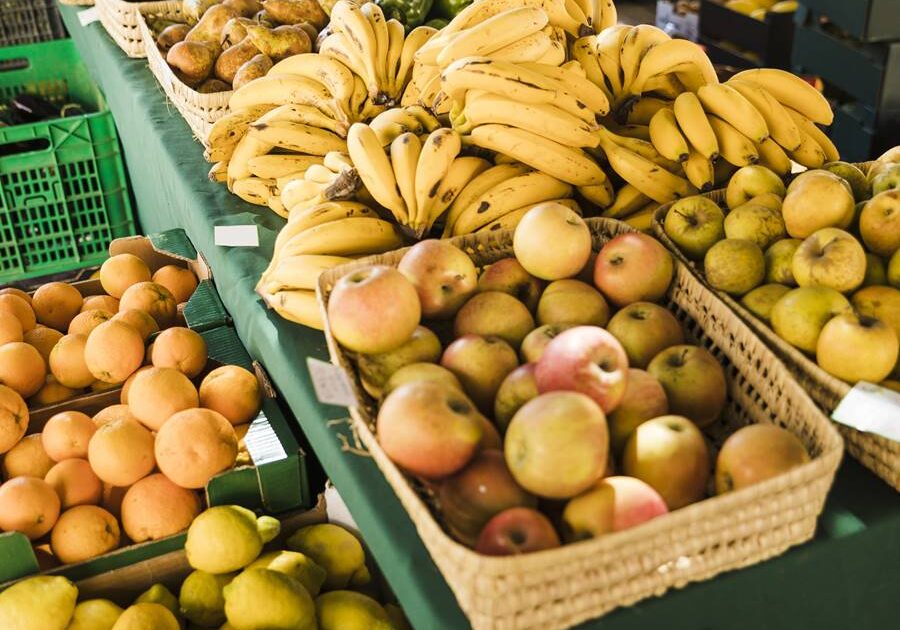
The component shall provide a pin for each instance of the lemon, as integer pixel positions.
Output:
(94, 614)
(201, 600)
(295, 564)
(348, 610)
(226, 538)
(146, 616)
(334, 549)
(38, 603)
(159, 594)
(262, 598)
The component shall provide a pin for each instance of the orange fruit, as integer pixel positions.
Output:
(112, 499)
(28, 505)
(75, 483)
(154, 508)
(13, 418)
(101, 303)
(139, 320)
(22, 367)
(21, 308)
(157, 394)
(43, 338)
(122, 271)
(113, 412)
(113, 351)
(56, 304)
(51, 393)
(232, 391)
(180, 348)
(86, 321)
(27, 459)
(10, 328)
(67, 435)
(18, 292)
(153, 298)
(194, 445)
(84, 532)
(126, 387)
(67, 362)
(121, 452)
(180, 281)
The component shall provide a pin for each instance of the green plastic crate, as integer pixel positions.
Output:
(63, 192)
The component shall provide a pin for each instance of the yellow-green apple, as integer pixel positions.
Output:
(876, 274)
(755, 453)
(779, 261)
(769, 200)
(695, 224)
(755, 222)
(890, 156)
(584, 359)
(893, 270)
(421, 372)
(534, 343)
(815, 200)
(557, 445)
(735, 266)
(494, 313)
(515, 531)
(471, 497)
(830, 258)
(444, 277)
(644, 400)
(694, 382)
(490, 436)
(887, 178)
(516, 389)
(572, 302)
(761, 300)
(374, 309)
(645, 329)
(879, 223)
(670, 454)
(855, 348)
(480, 364)
(633, 267)
(552, 242)
(375, 369)
(880, 302)
(614, 504)
(853, 176)
(751, 181)
(509, 276)
(800, 314)
(429, 429)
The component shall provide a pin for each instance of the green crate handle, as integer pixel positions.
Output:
(10, 65)
(38, 137)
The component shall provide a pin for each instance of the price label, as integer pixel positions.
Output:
(331, 383)
(236, 236)
(872, 409)
(88, 16)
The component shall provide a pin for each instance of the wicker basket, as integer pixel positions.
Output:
(879, 454)
(200, 111)
(562, 587)
(120, 19)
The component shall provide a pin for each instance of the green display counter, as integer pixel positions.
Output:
(848, 577)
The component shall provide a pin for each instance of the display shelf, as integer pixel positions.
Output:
(846, 577)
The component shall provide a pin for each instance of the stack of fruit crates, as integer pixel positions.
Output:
(735, 39)
(29, 21)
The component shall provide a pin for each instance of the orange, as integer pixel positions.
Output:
(155, 507)
(18, 292)
(100, 302)
(126, 387)
(180, 281)
(51, 393)
(22, 367)
(28, 505)
(113, 351)
(10, 328)
(75, 483)
(56, 304)
(139, 320)
(84, 532)
(13, 418)
(232, 391)
(86, 321)
(194, 445)
(67, 362)
(113, 412)
(120, 272)
(43, 339)
(158, 393)
(27, 459)
(121, 452)
(67, 435)
(112, 499)
(180, 348)
(21, 308)
(153, 298)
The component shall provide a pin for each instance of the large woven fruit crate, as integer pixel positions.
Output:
(63, 192)
(120, 20)
(29, 21)
(879, 454)
(559, 588)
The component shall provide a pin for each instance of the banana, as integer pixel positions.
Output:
(601, 195)
(376, 19)
(393, 122)
(218, 173)
(608, 45)
(284, 180)
(479, 185)
(230, 128)
(638, 132)
(396, 36)
(284, 90)
(810, 153)
(642, 220)
(643, 148)
(700, 171)
(809, 128)
(425, 117)
(727, 103)
(307, 115)
(247, 148)
(375, 170)
(667, 137)
(275, 205)
(337, 46)
(254, 190)
(558, 48)
(529, 48)
(478, 12)
(695, 125)
(276, 165)
(773, 157)
(299, 191)
(299, 272)
(791, 91)
(462, 171)
(415, 39)
(331, 73)
(405, 150)
(635, 46)
(584, 51)
(320, 174)
(345, 237)
(349, 19)
(575, 11)
(781, 126)
(493, 33)
(667, 86)
(643, 109)
(609, 15)
(297, 137)
(438, 153)
(655, 182)
(511, 219)
(628, 200)
(734, 147)
(317, 215)
(300, 307)
(671, 56)
(571, 77)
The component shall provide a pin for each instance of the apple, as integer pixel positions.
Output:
(471, 497)
(509, 276)
(490, 436)
(584, 359)
(893, 270)
(516, 531)
(890, 156)
(853, 176)
(534, 343)
(374, 309)
(750, 181)
(887, 178)
(645, 329)
(735, 266)
(516, 389)
(857, 348)
(755, 453)
(879, 223)
(880, 302)
(557, 445)
(494, 313)
(800, 314)
(443, 275)
(694, 382)
(817, 199)
(376, 369)
(480, 364)
(761, 300)
(769, 200)
(695, 224)
(633, 267)
(552, 242)
(779, 259)
(830, 258)
(644, 400)
(755, 222)
(614, 504)
(572, 302)
(670, 454)
(876, 274)
(428, 429)
(421, 372)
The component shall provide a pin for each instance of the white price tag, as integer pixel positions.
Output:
(337, 510)
(88, 16)
(331, 383)
(236, 235)
(872, 409)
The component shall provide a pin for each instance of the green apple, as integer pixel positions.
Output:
(779, 261)
(830, 257)
(375, 369)
(735, 266)
(750, 181)
(893, 270)
(815, 200)
(876, 274)
(888, 178)
(695, 224)
(761, 300)
(800, 314)
(853, 176)
(755, 223)
(645, 329)
(879, 223)
(694, 382)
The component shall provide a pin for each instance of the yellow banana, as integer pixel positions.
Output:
(642, 220)
(330, 72)
(276, 165)
(254, 190)
(694, 124)
(511, 219)
(218, 172)
(478, 12)
(307, 115)
(734, 147)
(584, 51)
(655, 182)
(773, 157)
(810, 153)
(644, 148)
(727, 103)
(317, 215)
(415, 39)
(299, 272)
(425, 117)
(700, 171)
(349, 19)
(337, 46)
(375, 17)
(628, 200)
(298, 191)
(275, 205)
(225, 133)
(667, 137)
(479, 185)
(393, 122)
(781, 126)
(375, 169)
(396, 35)
(405, 150)
(572, 78)
(643, 109)
(345, 237)
(809, 128)
(791, 91)
(635, 46)
(247, 148)
(462, 171)
(438, 153)
(601, 195)
(297, 137)
(609, 47)
(529, 48)
(285, 89)
(671, 56)
(300, 307)
(493, 33)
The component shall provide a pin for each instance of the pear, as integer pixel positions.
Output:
(213, 86)
(279, 42)
(257, 67)
(209, 28)
(230, 60)
(171, 35)
(38, 603)
(265, 19)
(296, 12)
(191, 61)
(245, 8)
(193, 9)
(234, 31)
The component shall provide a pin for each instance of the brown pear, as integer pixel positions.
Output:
(193, 9)
(230, 60)
(253, 69)
(311, 31)
(279, 42)
(213, 86)
(171, 35)
(209, 28)
(234, 31)
(245, 8)
(265, 19)
(191, 61)
(296, 11)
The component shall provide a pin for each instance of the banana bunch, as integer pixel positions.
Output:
(334, 179)
(399, 120)
(315, 239)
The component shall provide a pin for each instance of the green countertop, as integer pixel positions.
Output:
(849, 576)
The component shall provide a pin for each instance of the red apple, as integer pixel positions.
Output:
(480, 364)
(508, 276)
(644, 400)
(645, 329)
(585, 359)
(614, 504)
(633, 267)
(516, 389)
(444, 276)
(515, 531)
(755, 453)
(694, 382)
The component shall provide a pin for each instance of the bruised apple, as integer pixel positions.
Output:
(694, 382)
(633, 267)
(755, 453)
(516, 531)
(614, 504)
(443, 275)
(509, 276)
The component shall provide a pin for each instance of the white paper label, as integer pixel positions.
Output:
(337, 510)
(331, 383)
(872, 409)
(236, 236)
(88, 16)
